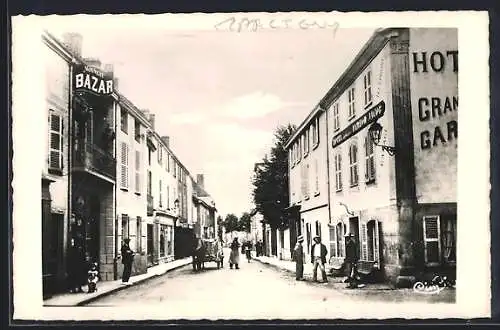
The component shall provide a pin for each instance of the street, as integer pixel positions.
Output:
(254, 290)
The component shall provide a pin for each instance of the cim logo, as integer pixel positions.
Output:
(93, 80)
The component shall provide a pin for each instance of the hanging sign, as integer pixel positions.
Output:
(91, 79)
(367, 118)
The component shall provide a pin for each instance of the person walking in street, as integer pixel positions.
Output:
(351, 260)
(248, 250)
(127, 259)
(234, 256)
(298, 257)
(318, 259)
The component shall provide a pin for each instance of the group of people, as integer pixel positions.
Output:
(318, 259)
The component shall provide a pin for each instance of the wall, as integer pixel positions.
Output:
(434, 101)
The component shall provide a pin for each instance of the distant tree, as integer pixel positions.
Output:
(231, 223)
(244, 222)
(270, 192)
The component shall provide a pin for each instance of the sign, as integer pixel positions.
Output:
(367, 118)
(90, 79)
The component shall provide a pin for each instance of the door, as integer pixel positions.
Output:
(52, 224)
(92, 230)
(354, 229)
(150, 245)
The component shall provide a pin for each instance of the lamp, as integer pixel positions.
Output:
(375, 131)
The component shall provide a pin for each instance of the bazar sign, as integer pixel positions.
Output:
(368, 117)
(93, 80)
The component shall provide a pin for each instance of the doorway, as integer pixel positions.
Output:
(354, 229)
(92, 230)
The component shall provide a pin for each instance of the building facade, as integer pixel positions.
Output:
(391, 155)
(204, 206)
(308, 175)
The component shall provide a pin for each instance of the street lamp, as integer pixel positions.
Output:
(375, 131)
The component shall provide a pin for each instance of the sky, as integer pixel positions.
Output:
(220, 95)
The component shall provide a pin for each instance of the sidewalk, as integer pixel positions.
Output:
(108, 287)
(308, 272)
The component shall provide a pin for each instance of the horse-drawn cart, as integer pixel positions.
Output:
(208, 250)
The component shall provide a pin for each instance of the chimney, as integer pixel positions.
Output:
(92, 61)
(109, 69)
(73, 41)
(152, 120)
(166, 140)
(200, 180)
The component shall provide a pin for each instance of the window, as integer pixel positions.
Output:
(55, 142)
(338, 171)
(125, 229)
(315, 128)
(160, 193)
(369, 160)
(316, 178)
(350, 98)
(137, 172)
(372, 240)
(124, 120)
(160, 155)
(439, 239)
(168, 163)
(137, 130)
(175, 169)
(318, 228)
(168, 197)
(308, 232)
(353, 164)
(306, 142)
(150, 154)
(139, 235)
(124, 166)
(364, 242)
(336, 117)
(333, 243)
(299, 150)
(150, 178)
(306, 181)
(367, 83)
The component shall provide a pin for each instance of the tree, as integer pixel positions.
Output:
(270, 192)
(244, 222)
(231, 223)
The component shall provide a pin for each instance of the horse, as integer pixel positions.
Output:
(199, 255)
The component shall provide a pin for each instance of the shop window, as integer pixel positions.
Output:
(369, 161)
(55, 143)
(137, 172)
(124, 166)
(338, 172)
(124, 121)
(169, 233)
(352, 105)
(367, 84)
(137, 130)
(439, 240)
(353, 164)
(336, 117)
(162, 241)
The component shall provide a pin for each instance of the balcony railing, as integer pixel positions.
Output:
(93, 159)
(150, 205)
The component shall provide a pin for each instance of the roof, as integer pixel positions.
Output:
(370, 49)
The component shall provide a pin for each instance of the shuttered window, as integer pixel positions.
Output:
(161, 194)
(338, 172)
(372, 228)
(369, 160)
(351, 99)
(333, 242)
(336, 117)
(340, 231)
(137, 171)
(367, 84)
(364, 241)
(124, 165)
(306, 181)
(432, 244)
(55, 142)
(353, 164)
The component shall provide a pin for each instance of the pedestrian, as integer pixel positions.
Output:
(127, 259)
(298, 257)
(248, 249)
(318, 258)
(234, 256)
(351, 261)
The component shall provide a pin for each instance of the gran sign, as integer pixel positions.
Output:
(367, 118)
(93, 80)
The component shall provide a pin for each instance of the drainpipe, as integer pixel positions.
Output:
(66, 236)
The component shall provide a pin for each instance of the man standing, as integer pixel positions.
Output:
(127, 259)
(351, 260)
(318, 258)
(298, 257)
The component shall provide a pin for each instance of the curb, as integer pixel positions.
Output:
(119, 288)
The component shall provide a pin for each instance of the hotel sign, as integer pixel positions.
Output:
(367, 118)
(90, 79)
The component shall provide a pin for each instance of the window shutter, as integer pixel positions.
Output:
(55, 141)
(124, 165)
(137, 171)
(364, 242)
(376, 240)
(432, 239)
(367, 160)
(333, 242)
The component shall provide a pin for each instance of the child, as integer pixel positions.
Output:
(93, 277)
